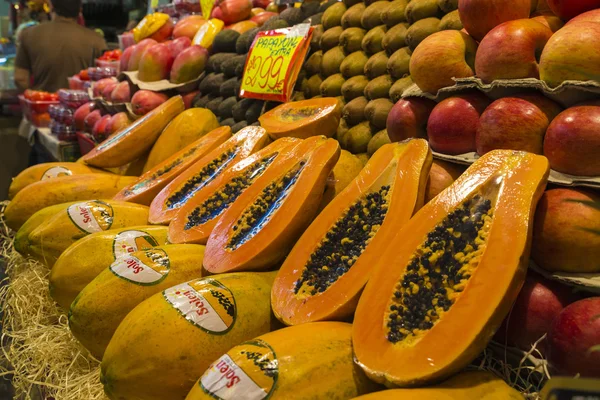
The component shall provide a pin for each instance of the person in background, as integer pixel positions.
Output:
(50, 53)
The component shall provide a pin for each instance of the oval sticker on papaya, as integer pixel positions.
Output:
(56, 172)
(91, 216)
(146, 268)
(127, 242)
(206, 303)
(248, 371)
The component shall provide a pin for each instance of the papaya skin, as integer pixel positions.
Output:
(42, 194)
(101, 306)
(133, 141)
(404, 168)
(155, 340)
(84, 260)
(513, 182)
(152, 182)
(300, 371)
(47, 171)
(179, 232)
(273, 240)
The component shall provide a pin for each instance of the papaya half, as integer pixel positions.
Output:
(177, 193)
(302, 119)
(21, 242)
(310, 361)
(186, 128)
(195, 221)
(54, 236)
(101, 306)
(469, 385)
(259, 229)
(152, 182)
(45, 171)
(326, 271)
(49, 192)
(451, 274)
(85, 259)
(136, 139)
(166, 342)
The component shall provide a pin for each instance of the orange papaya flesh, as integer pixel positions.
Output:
(302, 119)
(324, 274)
(451, 274)
(195, 221)
(152, 182)
(135, 140)
(262, 225)
(176, 194)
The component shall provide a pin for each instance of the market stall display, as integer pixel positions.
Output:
(402, 214)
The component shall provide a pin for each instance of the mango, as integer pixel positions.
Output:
(54, 236)
(144, 101)
(166, 342)
(189, 64)
(85, 259)
(138, 51)
(188, 26)
(155, 63)
(101, 306)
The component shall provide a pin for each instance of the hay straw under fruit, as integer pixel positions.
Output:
(39, 352)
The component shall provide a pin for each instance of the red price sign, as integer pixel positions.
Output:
(273, 64)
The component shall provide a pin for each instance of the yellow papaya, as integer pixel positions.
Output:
(310, 361)
(45, 171)
(481, 385)
(166, 342)
(21, 242)
(85, 259)
(101, 306)
(185, 128)
(133, 141)
(54, 236)
(49, 192)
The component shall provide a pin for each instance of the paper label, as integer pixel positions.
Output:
(56, 172)
(246, 372)
(147, 267)
(91, 216)
(206, 303)
(129, 241)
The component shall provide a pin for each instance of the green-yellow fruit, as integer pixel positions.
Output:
(354, 87)
(312, 66)
(332, 86)
(351, 39)
(166, 342)
(81, 262)
(315, 41)
(398, 64)
(451, 21)
(394, 38)
(420, 30)
(331, 38)
(313, 87)
(376, 112)
(373, 41)
(357, 138)
(354, 64)
(344, 172)
(354, 112)
(376, 65)
(421, 9)
(341, 130)
(352, 17)
(333, 15)
(378, 140)
(371, 17)
(378, 88)
(399, 87)
(394, 14)
(363, 157)
(447, 6)
(332, 60)
(101, 306)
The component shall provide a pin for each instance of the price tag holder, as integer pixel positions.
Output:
(571, 389)
(274, 61)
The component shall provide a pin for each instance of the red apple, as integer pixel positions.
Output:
(516, 123)
(481, 16)
(574, 337)
(573, 53)
(510, 50)
(452, 125)
(539, 302)
(441, 57)
(408, 118)
(572, 142)
(550, 20)
(567, 9)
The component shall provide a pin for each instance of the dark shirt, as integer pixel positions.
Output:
(56, 50)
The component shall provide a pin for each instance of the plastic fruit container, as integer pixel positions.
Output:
(111, 65)
(64, 132)
(73, 99)
(62, 114)
(75, 83)
(39, 107)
